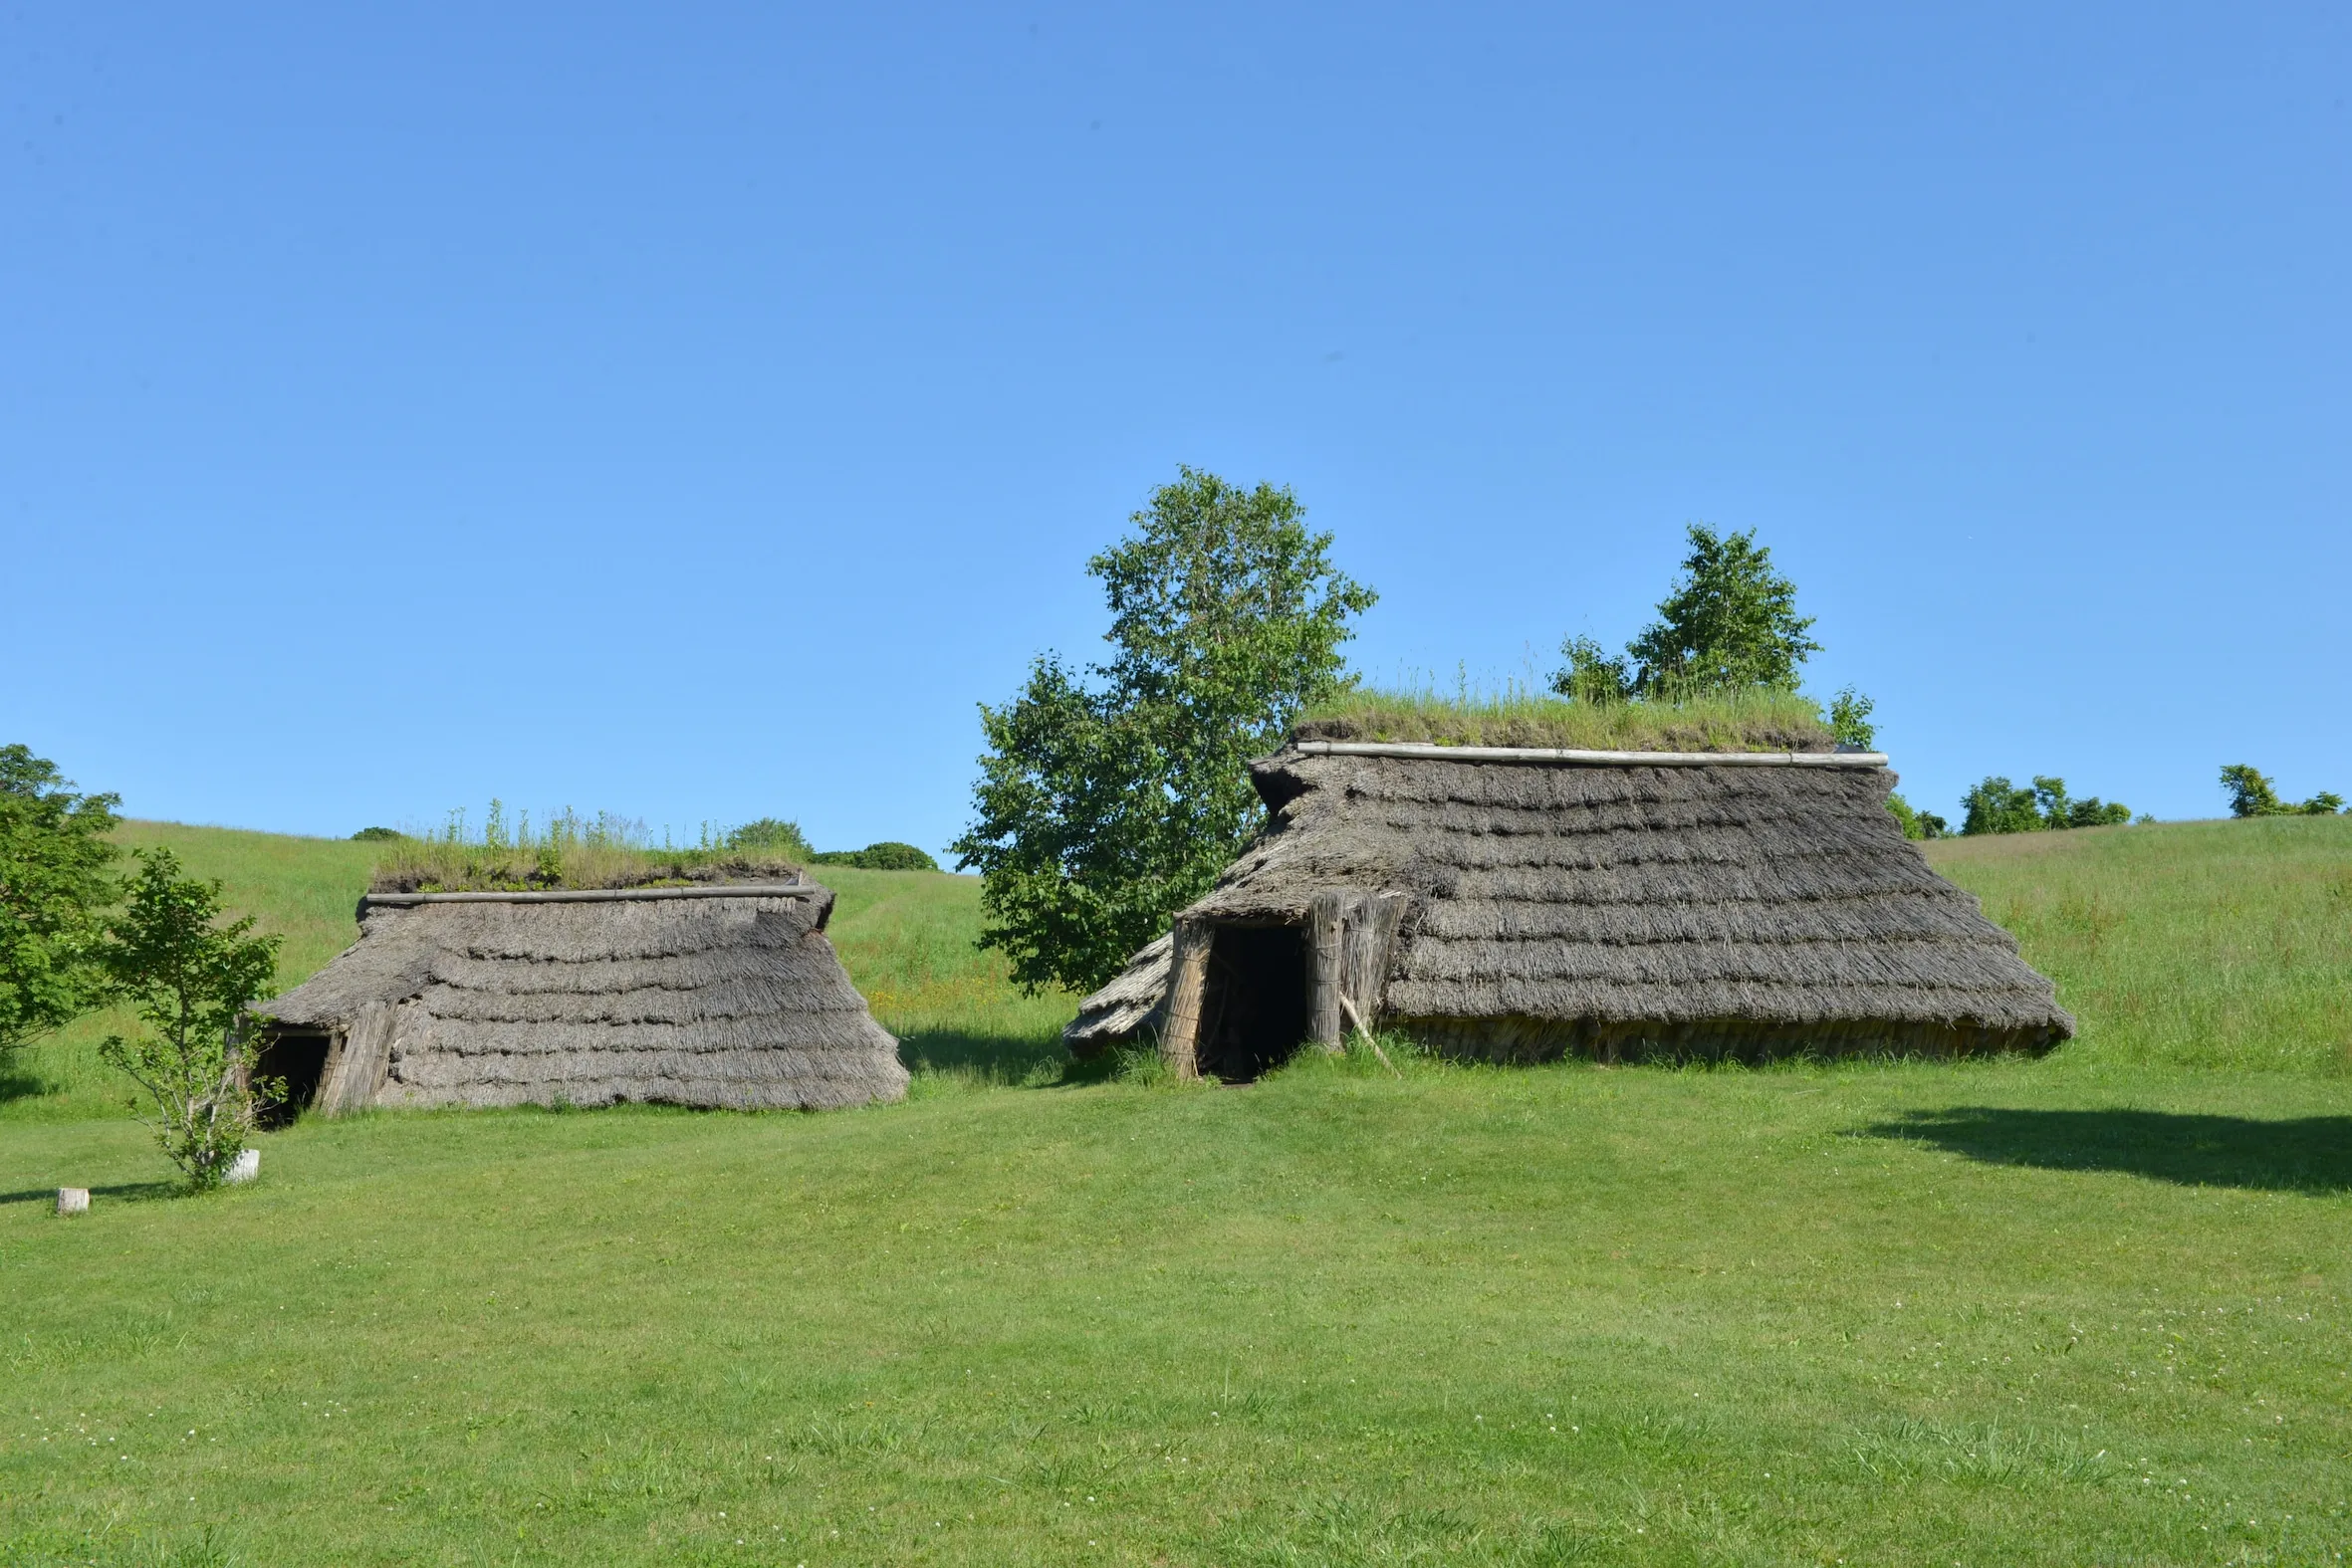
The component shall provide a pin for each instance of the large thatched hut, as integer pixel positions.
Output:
(1520, 903)
(725, 997)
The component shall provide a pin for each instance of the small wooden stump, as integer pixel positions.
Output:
(73, 1200)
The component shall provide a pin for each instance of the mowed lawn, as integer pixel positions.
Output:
(2084, 1310)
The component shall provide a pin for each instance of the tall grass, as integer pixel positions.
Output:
(1518, 713)
(566, 850)
(2183, 944)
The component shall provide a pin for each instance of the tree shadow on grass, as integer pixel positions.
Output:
(997, 1058)
(2311, 1154)
(124, 1192)
(16, 1084)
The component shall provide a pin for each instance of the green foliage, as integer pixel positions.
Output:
(2058, 811)
(1849, 720)
(1108, 802)
(888, 855)
(1731, 622)
(1916, 823)
(55, 849)
(189, 978)
(1593, 675)
(2252, 794)
(772, 836)
(1998, 807)
(376, 835)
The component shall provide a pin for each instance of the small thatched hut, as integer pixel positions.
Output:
(1517, 904)
(722, 996)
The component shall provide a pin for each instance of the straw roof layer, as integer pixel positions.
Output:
(1714, 908)
(688, 996)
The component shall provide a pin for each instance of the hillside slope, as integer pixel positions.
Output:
(2085, 1309)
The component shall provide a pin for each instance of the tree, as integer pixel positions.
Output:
(1998, 806)
(1108, 800)
(1730, 623)
(1916, 823)
(2252, 794)
(2058, 811)
(54, 848)
(189, 977)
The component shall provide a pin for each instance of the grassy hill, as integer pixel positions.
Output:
(2088, 1309)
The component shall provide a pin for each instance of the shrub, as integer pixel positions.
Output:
(2252, 794)
(888, 855)
(1849, 720)
(772, 835)
(189, 976)
(375, 836)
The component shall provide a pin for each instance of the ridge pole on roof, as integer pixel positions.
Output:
(1189, 971)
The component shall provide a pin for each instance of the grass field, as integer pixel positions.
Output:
(2084, 1310)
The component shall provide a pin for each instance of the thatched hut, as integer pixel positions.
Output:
(724, 997)
(1517, 904)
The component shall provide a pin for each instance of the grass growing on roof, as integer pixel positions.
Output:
(2086, 1309)
(1749, 721)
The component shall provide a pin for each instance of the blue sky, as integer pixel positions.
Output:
(694, 411)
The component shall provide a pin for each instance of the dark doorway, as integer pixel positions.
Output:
(301, 1059)
(1253, 1008)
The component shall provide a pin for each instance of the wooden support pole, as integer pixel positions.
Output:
(1188, 968)
(1370, 944)
(1326, 937)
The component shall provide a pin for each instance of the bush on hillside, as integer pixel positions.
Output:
(2252, 794)
(375, 836)
(1998, 806)
(1917, 823)
(772, 836)
(54, 848)
(888, 855)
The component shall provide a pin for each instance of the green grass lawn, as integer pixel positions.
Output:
(2084, 1310)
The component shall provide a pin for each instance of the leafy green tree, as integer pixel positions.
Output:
(2252, 794)
(1917, 823)
(2059, 811)
(189, 977)
(1998, 806)
(1109, 800)
(55, 849)
(1730, 623)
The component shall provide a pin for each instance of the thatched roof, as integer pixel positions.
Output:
(1622, 903)
(724, 997)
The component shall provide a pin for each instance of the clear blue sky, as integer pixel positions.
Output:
(694, 411)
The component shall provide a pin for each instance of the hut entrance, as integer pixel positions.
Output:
(1254, 1001)
(298, 1056)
